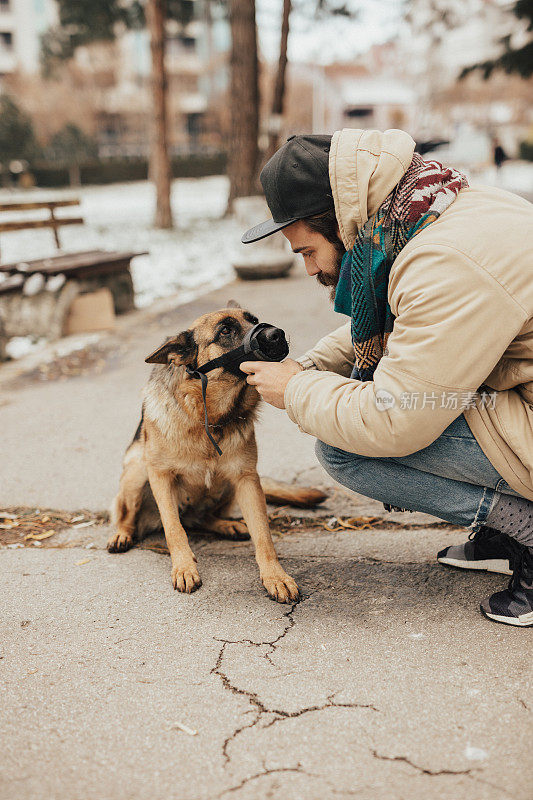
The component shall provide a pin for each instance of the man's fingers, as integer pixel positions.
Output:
(248, 366)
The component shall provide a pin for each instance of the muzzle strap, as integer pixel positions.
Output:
(194, 373)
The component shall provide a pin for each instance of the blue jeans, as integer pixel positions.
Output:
(451, 478)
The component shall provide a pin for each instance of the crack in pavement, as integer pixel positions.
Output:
(422, 770)
(297, 768)
(283, 715)
(469, 773)
(256, 705)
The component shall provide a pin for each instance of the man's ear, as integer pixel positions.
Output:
(181, 349)
(233, 304)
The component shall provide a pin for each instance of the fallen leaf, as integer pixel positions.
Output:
(39, 536)
(84, 561)
(180, 726)
(84, 524)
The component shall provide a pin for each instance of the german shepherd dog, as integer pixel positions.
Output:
(173, 478)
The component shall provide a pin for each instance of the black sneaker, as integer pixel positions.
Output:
(514, 606)
(487, 550)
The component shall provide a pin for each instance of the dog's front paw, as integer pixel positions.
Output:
(185, 577)
(119, 542)
(280, 586)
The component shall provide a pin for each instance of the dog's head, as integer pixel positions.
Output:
(210, 336)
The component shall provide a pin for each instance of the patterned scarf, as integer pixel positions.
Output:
(420, 197)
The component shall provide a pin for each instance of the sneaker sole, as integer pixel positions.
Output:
(523, 621)
(499, 565)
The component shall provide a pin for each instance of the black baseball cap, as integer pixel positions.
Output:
(296, 184)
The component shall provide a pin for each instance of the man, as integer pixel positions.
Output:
(424, 399)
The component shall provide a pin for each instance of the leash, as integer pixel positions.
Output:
(195, 373)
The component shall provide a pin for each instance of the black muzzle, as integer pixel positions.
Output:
(263, 342)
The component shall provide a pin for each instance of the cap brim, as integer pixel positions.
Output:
(264, 229)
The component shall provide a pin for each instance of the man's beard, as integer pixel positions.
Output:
(332, 278)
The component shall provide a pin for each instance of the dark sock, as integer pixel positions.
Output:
(513, 516)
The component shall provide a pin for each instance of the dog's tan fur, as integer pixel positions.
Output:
(172, 475)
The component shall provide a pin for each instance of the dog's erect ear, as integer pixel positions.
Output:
(181, 349)
(233, 304)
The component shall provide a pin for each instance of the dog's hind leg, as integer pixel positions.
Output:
(128, 501)
(226, 528)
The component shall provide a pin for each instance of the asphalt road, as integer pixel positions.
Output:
(384, 681)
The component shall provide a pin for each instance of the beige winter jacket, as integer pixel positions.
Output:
(462, 295)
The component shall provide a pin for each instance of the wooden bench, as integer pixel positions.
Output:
(83, 271)
(50, 222)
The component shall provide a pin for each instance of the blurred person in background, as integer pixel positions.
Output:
(423, 400)
(499, 153)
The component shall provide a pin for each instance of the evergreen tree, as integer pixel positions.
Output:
(17, 137)
(71, 146)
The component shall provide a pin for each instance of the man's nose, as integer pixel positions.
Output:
(311, 270)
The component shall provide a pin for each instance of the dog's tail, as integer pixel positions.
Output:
(287, 494)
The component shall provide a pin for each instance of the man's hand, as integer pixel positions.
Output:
(270, 378)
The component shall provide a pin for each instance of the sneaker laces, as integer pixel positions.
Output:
(484, 532)
(523, 569)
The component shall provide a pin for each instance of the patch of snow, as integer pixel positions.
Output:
(475, 753)
(20, 346)
(44, 352)
(513, 176)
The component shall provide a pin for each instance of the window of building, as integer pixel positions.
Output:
(6, 40)
(188, 42)
(358, 112)
(181, 44)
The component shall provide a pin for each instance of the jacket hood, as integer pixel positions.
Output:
(364, 167)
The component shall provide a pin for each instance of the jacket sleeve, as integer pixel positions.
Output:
(333, 353)
(453, 322)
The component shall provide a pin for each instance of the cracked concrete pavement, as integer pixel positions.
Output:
(384, 681)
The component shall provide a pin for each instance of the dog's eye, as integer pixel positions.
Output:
(225, 331)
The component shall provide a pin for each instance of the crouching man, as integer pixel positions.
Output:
(424, 399)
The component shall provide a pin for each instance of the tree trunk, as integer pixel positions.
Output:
(74, 174)
(274, 124)
(160, 167)
(244, 100)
